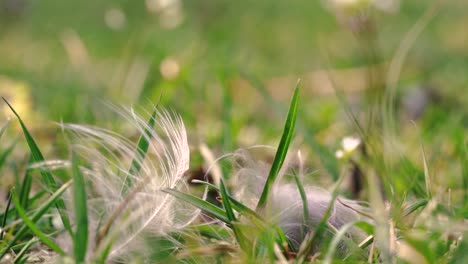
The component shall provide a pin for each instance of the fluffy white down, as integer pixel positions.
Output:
(285, 206)
(109, 156)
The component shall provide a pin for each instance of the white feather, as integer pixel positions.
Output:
(109, 156)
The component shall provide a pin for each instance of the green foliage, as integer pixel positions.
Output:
(49, 180)
(357, 82)
(80, 239)
(36, 216)
(32, 226)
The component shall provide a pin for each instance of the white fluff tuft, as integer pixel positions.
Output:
(285, 206)
(109, 156)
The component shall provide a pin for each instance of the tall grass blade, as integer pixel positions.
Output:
(46, 175)
(326, 157)
(32, 226)
(81, 214)
(282, 148)
(45, 207)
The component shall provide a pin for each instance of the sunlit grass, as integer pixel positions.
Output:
(228, 69)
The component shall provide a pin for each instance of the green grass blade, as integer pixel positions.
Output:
(29, 223)
(142, 149)
(326, 157)
(305, 205)
(45, 207)
(282, 148)
(26, 188)
(236, 205)
(45, 173)
(207, 207)
(5, 216)
(415, 206)
(81, 213)
(227, 205)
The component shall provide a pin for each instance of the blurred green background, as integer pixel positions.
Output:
(65, 60)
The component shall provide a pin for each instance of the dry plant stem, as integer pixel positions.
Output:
(354, 209)
(393, 76)
(371, 253)
(396, 65)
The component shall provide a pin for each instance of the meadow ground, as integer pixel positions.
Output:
(381, 116)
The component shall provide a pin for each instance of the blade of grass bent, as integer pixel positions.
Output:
(45, 173)
(29, 223)
(282, 148)
(80, 240)
(36, 216)
(209, 208)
